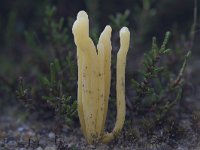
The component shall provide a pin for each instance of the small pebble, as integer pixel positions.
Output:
(50, 148)
(39, 148)
(20, 129)
(31, 133)
(12, 143)
(51, 135)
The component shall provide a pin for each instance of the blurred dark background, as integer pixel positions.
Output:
(19, 16)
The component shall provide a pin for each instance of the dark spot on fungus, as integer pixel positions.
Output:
(123, 83)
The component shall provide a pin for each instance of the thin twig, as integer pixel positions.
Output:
(192, 32)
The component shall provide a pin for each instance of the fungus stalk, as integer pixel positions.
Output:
(94, 77)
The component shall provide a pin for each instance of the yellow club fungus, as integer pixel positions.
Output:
(94, 77)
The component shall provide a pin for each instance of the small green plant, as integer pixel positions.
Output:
(10, 33)
(158, 90)
(56, 88)
(23, 94)
(144, 16)
(7, 84)
(50, 91)
(56, 33)
(119, 20)
(170, 133)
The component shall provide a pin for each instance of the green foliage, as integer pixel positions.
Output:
(21, 91)
(7, 83)
(10, 30)
(144, 17)
(56, 33)
(55, 86)
(23, 94)
(62, 78)
(158, 91)
(54, 30)
(119, 20)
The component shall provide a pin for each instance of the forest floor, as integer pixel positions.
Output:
(15, 135)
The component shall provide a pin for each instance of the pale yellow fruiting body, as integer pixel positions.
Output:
(94, 77)
(104, 51)
(120, 87)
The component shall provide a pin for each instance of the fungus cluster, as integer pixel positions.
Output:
(94, 78)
